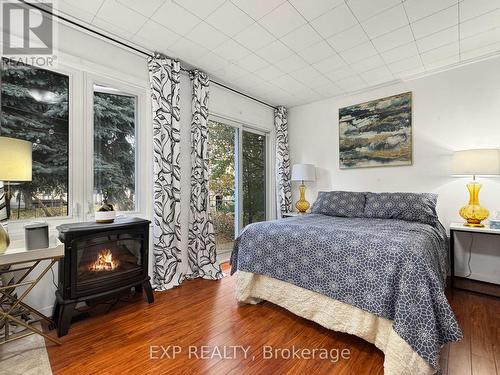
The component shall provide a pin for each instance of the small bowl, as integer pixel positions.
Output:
(105, 217)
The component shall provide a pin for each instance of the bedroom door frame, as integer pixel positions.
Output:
(241, 126)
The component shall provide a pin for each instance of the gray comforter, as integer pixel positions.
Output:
(392, 268)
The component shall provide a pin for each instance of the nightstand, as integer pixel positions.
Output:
(291, 214)
(459, 227)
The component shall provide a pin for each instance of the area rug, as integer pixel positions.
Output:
(26, 356)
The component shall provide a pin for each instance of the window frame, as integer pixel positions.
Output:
(140, 140)
(81, 147)
(241, 126)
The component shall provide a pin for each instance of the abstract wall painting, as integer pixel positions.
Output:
(377, 133)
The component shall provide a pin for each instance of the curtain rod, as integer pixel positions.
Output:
(74, 23)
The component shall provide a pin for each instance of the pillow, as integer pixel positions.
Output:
(419, 207)
(339, 203)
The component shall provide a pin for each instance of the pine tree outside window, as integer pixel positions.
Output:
(34, 107)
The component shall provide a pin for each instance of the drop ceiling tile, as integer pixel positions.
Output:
(336, 20)
(289, 84)
(394, 39)
(316, 81)
(329, 64)
(473, 8)
(254, 37)
(368, 64)
(252, 62)
(348, 38)
(387, 21)
(118, 15)
(351, 84)
(329, 90)
(480, 40)
(451, 60)
(301, 38)
(359, 52)
(282, 20)
(306, 74)
(410, 72)
(257, 8)
(400, 53)
(274, 52)
(311, 11)
(291, 63)
(317, 52)
(418, 9)
(207, 35)
(231, 50)
(377, 76)
(188, 50)
(365, 9)
(340, 73)
(438, 39)
(480, 24)
(478, 52)
(405, 64)
(436, 22)
(155, 36)
(229, 19)
(84, 11)
(175, 18)
(440, 53)
(268, 73)
(146, 8)
(213, 62)
(201, 8)
(234, 71)
(110, 28)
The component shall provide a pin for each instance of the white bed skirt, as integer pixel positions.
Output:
(400, 358)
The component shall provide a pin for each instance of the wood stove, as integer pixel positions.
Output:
(100, 260)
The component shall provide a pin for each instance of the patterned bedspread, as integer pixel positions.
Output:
(391, 268)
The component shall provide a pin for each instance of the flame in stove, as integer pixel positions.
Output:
(104, 262)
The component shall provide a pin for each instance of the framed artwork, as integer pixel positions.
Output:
(376, 133)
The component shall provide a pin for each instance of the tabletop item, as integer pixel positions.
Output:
(303, 172)
(36, 235)
(479, 162)
(105, 214)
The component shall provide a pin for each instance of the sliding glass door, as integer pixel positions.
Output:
(237, 179)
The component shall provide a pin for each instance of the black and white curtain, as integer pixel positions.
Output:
(201, 240)
(283, 177)
(164, 76)
(3, 202)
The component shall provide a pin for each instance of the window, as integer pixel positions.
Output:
(237, 179)
(34, 107)
(114, 148)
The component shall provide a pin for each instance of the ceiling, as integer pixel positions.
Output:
(293, 52)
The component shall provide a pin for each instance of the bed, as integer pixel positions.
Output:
(375, 268)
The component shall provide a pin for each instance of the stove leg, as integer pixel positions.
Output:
(64, 320)
(149, 291)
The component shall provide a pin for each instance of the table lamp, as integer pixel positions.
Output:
(303, 172)
(478, 162)
(15, 165)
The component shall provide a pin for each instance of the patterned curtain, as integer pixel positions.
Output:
(283, 178)
(3, 203)
(164, 76)
(201, 240)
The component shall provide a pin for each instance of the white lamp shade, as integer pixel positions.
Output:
(303, 172)
(15, 159)
(479, 162)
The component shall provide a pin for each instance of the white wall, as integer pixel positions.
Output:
(84, 52)
(452, 110)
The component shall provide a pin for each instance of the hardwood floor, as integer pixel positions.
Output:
(205, 313)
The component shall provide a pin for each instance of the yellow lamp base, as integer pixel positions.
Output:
(302, 205)
(474, 213)
(4, 239)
